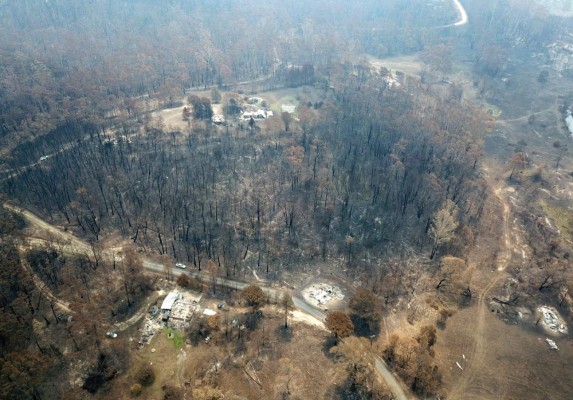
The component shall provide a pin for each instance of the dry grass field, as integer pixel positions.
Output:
(264, 363)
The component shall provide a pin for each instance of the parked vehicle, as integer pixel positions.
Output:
(179, 265)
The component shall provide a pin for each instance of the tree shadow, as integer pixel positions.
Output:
(328, 344)
(102, 373)
(284, 334)
(253, 320)
(364, 327)
(240, 346)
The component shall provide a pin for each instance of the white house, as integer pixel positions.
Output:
(256, 115)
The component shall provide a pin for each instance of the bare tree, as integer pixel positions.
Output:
(443, 226)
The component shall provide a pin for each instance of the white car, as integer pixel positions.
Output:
(179, 265)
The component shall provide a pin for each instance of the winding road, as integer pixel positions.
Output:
(463, 15)
(316, 315)
(79, 246)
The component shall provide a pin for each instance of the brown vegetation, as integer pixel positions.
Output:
(412, 360)
(360, 382)
(381, 169)
(253, 296)
(145, 376)
(453, 282)
(339, 324)
(365, 311)
(287, 305)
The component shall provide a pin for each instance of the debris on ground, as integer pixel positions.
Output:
(552, 321)
(552, 344)
(321, 293)
(150, 328)
(154, 311)
(288, 108)
(181, 314)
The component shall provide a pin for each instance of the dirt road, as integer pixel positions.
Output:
(45, 290)
(66, 237)
(477, 354)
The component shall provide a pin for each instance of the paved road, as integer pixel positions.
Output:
(463, 16)
(390, 380)
(300, 303)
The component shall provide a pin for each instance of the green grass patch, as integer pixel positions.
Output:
(277, 107)
(561, 217)
(493, 110)
(175, 337)
(289, 100)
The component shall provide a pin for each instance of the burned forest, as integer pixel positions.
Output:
(286, 200)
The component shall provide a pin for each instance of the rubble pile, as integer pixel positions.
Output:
(320, 294)
(181, 314)
(552, 344)
(149, 329)
(552, 321)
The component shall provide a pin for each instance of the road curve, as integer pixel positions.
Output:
(463, 15)
(149, 265)
(393, 384)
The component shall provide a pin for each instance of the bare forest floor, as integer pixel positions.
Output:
(293, 361)
(502, 360)
(496, 359)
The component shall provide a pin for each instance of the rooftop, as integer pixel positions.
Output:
(169, 300)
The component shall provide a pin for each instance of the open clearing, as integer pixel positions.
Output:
(172, 118)
(323, 295)
(515, 363)
(269, 355)
(498, 360)
(410, 65)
